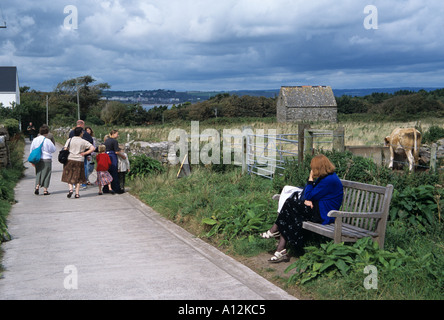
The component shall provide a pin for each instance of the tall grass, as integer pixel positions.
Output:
(358, 130)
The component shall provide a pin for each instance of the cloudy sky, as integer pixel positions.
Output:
(225, 44)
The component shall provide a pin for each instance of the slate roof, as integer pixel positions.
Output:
(308, 96)
(8, 79)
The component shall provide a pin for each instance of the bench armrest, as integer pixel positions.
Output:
(344, 214)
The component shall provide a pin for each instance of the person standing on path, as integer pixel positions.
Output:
(48, 135)
(113, 150)
(104, 178)
(31, 131)
(43, 169)
(90, 168)
(74, 169)
(123, 166)
(87, 137)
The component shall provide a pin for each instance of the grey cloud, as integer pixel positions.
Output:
(202, 44)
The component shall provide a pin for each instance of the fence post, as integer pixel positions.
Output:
(433, 153)
(308, 142)
(246, 147)
(301, 143)
(339, 139)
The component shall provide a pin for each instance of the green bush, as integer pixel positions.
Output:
(334, 260)
(142, 165)
(418, 206)
(6, 193)
(12, 125)
(433, 134)
(242, 219)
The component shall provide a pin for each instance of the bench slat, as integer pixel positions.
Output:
(348, 230)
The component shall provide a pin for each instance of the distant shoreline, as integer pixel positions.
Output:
(157, 98)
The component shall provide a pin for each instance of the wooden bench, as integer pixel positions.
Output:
(363, 213)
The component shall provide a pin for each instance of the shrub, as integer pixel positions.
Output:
(334, 260)
(433, 134)
(12, 125)
(418, 206)
(142, 165)
(241, 219)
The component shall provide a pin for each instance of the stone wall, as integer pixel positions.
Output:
(300, 114)
(4, 150)
(155, 150)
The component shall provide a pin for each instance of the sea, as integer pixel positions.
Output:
(150, 106)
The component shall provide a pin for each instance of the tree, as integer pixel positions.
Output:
(113, 112)
(89, 93)
(31, 108)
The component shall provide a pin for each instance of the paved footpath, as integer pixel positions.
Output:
(112, 247)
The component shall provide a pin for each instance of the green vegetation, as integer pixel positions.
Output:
(420, 207)
(334, 260)
(332, 271)
(403, 105)
(141, 166)
(8, 179)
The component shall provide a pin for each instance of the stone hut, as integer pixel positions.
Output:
(306, 103)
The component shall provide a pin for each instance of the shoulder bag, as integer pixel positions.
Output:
(64, 153)
(36, 154)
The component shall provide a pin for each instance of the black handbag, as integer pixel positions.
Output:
(63, 154)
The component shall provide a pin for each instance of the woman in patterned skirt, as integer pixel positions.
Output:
(323, 193)
(74, 169)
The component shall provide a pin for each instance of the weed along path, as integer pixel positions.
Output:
(112, 247)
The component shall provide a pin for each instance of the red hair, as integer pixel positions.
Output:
(321, 166)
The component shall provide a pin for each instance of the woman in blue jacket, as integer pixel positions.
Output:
(323, 193)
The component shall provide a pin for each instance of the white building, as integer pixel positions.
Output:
(9, 86)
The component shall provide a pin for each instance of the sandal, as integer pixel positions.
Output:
(69, 195)
(36, 191)
(46, 193)
(279, 257)
(77, 196)
(269, 234)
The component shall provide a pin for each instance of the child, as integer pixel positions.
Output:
(103, 176)
(123, 166)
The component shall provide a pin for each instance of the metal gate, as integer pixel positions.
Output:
(267, 153)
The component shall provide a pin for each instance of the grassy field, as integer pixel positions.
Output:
(357, 132)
